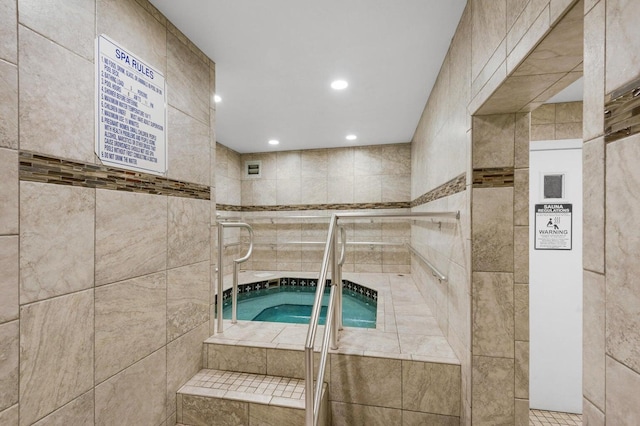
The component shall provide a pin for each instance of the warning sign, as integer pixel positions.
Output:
(553, 225)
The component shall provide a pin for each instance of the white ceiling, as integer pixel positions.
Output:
(275, 61)
(571, 93)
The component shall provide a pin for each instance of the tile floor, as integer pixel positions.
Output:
(540, 417)
(249, 383)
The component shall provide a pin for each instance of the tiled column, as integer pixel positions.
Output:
(9, 246)
(593, 166)
(613, 296)
(500, 347)
(9, 284)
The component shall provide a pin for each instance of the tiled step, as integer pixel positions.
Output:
(225, 397)
(276, 349)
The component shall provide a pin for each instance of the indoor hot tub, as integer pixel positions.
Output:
(290, 300)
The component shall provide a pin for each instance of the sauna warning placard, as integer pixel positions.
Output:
(131, 117)
(553, 226)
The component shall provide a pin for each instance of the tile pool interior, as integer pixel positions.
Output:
(405, 326)
(293, 304)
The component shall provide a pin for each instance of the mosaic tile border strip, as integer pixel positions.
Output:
(301, 207)
(455, 185)
(298, 282)
(499, 177)
(346, 284)
(228, 208)
(46, 169)
(622, 112)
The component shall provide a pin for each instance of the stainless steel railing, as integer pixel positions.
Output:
(436, 273)
(317, 243)
(236, 264)
(313, 397)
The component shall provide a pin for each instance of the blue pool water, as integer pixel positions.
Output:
(291, 304)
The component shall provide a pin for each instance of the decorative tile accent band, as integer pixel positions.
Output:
(45, 169)
(298, 282)
(493, 177)
(286, 207)
(622, 112)
(455, 185)
(228, 208)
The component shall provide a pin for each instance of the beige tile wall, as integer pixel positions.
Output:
(410, 392)
(228, 173)
(365, 174)
(498, 49)
(104, 295)
(475, 66)
(9, 217)
(557, 121)
(444, 133)
(228, 191)
(373, 174)
(500, 361)
(611, 341)
(493, 39)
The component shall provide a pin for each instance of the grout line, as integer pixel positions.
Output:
(95, 215)
(17, 64)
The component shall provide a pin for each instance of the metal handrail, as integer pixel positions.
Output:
(413, 215)
(311, 413)
(436, 273)
(236, 262)
(455, 214)
(237, 243)
(317, 243)
(296, 217)
(272, 219)
(314, 398)
(343, 257)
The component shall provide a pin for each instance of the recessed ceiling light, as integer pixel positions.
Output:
(339, 85)
(351, 137)
(274, 142)
(217, 98)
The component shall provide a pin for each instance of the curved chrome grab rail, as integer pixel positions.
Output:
(236, 267)
(343, 241)
(236, 264)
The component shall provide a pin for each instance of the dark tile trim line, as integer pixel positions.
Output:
(455, 185)
(298, 282)
(46, 169)
(300, 207)
(228, 208)
(499, 177)
(622, 112)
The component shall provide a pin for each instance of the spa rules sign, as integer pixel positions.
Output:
(131, 117)
(553, 226)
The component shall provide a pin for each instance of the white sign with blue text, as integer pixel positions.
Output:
(131, 110)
